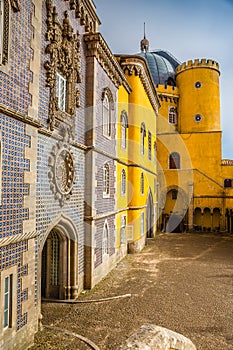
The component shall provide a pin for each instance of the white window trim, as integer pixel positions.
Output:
(124, 127)
(123, 229)
(7, 334)
(123, 193)
(106, 117)
(59, 80)
(174, 115)
(149, 145)
(142, 188)
(106, 194)
(105, 241)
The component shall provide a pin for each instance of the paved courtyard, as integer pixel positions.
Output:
(183, 282)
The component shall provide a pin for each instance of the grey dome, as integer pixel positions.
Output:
(162, 66)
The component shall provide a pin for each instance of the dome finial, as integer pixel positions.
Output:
(144, 42)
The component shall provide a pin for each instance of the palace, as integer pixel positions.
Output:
(97, 153)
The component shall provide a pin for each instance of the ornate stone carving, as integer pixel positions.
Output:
(14, 5)
(61, 170)
(64, 52)
(86, 11)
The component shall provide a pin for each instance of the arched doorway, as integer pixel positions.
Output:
(197, 219)
(216, 219)
(59, 264)
(149, 216)
(207, 224)
(52, 268)
(174, 202)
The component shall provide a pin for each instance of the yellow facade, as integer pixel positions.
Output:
(138, 204)
(193, 195)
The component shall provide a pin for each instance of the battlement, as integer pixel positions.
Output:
(167, 89)
(198, 63)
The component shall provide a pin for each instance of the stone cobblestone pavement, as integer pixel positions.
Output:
(183, 282)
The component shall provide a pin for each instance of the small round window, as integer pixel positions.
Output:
(197, 84)
(198, 118)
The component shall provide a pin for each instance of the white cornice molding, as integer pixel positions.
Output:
(137, 65)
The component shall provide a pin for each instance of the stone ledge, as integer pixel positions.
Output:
(151, 337)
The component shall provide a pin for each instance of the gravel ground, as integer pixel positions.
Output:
(183, 282)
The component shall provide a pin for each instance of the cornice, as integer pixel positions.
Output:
(168, 97)
(19, 116)
(86, 11)
(98, 48)
(138, 66)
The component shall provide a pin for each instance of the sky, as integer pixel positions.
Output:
(187, 29)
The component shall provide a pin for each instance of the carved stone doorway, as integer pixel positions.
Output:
(59, 267)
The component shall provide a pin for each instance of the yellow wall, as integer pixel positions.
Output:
(204, 100)
(140, 110)
(198, 143)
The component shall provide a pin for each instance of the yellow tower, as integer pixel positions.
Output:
(199, 102)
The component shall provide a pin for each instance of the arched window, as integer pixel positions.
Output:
(124, 126)
(105, 240)
(155, 151)
(106, 182)
(174, 161)
(142, 183)
(123, 182)
(172, 115)
(227, 183)
(5, 28)
(107, 111)
(143, 135)
(149, 144)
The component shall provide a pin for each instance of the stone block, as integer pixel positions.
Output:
(151, 337)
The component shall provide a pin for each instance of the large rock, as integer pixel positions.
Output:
(151, 337)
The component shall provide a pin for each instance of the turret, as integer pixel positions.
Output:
(199, 103)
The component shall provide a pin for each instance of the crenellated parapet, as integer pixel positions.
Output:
(198, 63)
(168, 93)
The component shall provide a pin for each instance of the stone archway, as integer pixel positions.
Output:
(174, 204)
(149, 216)
(59, 261)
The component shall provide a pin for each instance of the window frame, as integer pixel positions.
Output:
(124, 126)
(106, 181)
(123, 182)
(149, 145)
(62, 102)
(142, 138)
(107, 112)
(173, 165)
(172, 115)
(105, 240)
(7, 308)
(142, 184)
(227, 183)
